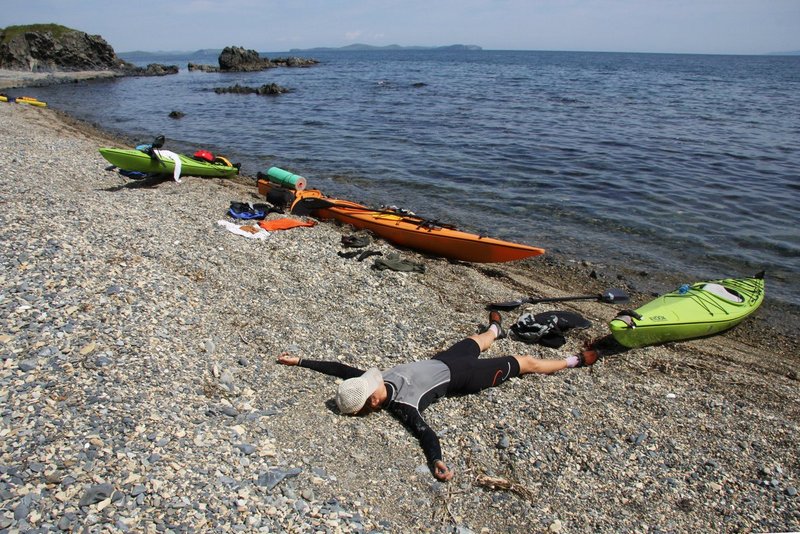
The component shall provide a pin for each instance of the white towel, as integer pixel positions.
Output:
(175, 158)
(237, 229)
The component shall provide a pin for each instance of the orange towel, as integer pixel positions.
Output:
(284, 224)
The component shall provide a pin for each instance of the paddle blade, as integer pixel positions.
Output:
(613, 296)
(305, 206)
(506, 306)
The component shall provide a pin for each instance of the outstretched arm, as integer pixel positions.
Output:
(413, 420)
(337, 369)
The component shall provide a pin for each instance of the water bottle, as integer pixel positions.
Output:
(683, 289)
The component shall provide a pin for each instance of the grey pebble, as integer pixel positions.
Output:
(113, 290)
(36, 467)
(21, 511)
(246, 448)
(791, 491)
(64, 523)
(96, 493)
(230, 411)
(273, 477)
(28, 364)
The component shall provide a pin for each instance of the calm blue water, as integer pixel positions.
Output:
(680, 163)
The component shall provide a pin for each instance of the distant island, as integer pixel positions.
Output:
(361, 47)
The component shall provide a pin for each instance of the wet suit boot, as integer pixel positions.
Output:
(497, 321)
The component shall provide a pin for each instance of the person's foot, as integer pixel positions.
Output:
(497, 321)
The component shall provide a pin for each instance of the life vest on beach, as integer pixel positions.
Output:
(204, 155)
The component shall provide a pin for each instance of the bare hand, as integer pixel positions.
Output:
(286, 359)
(441, 471)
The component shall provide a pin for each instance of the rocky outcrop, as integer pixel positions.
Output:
(154, 69)
(237, 59)
(294, 61)
(50, 47)
(204, 68)
(266, 89)
(54, 48)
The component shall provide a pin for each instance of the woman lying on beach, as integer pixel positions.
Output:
(407, 389)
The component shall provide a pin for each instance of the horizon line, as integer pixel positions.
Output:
(480, 49)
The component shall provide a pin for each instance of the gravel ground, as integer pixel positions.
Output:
(139, 390)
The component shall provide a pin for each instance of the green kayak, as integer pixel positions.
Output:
(136, 160)
(692, 311)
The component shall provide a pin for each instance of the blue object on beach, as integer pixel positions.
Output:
(135, 175)
(249, 214)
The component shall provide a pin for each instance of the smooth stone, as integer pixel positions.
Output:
(246, 448)
(230, 411)
(96, 493)
(28, 364)
(21, 511)
(273, 477)
(113, 290)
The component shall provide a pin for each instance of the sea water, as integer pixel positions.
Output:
(658, 162)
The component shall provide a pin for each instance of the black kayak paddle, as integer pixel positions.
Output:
(612, 296)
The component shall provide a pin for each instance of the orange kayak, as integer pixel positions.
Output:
(411, 231)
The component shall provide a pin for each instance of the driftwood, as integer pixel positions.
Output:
(496, 483)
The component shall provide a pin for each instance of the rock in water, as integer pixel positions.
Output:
(237, 59)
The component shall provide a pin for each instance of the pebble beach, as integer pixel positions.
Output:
(139, 390)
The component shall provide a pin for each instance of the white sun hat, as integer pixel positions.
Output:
(354, 392)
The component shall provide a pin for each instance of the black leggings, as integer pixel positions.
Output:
(470, 374)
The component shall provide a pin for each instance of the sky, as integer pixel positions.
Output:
(661, 26)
